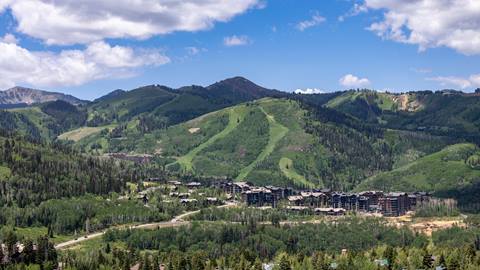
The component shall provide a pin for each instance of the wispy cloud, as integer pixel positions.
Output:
(315, 20)
(460, 82)
(235, 40)
(354, 11)
(421, 70)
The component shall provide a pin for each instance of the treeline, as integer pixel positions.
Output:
(380, 258)
(438, 208)
(66, 115)
(244, 215)
(352, 244)
(87, 213)
(222, 240)
(46, 171)
(357, 151)
(15, 123)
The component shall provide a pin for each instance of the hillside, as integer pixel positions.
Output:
(443, 170)
(451, 172)
(42, 121)
(21, 96)
(159, 106)
(445, 113)
(32, 172)
(268, 141)
(239, 130)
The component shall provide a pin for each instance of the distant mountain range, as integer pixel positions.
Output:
(21, 97)
(346, 140)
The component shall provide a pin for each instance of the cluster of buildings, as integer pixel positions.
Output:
(326, 201)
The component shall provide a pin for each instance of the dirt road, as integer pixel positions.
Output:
(175, 222)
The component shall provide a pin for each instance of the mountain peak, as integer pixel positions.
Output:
(244, 87)
(28, 96)
(237, 81)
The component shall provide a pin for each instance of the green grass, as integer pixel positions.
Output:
(35, 232)
(277, 132)
(286, 166)
(236, 115)
(83, 132)
(443, 170)
(348, 96)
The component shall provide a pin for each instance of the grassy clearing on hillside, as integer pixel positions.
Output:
(348, 96)
(83, 132)
(443, 170)
(40, 119)
(235, 117)
(277, 132)
(286, 166)
(34, 232)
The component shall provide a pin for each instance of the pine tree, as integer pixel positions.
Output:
(427, 261)
(453, 264)
(107, 248)
(155, 264)
(257, 265)
(441, 261)
(390, 256)
(284, 263)
(146, 262)
(470, 253)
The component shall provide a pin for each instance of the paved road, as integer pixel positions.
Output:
(175, 222)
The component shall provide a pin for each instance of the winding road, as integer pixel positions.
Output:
(175, 222)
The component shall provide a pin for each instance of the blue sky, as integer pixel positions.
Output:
(282, 44)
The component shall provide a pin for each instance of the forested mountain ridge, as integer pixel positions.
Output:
(272, 141)
(32, 172)
(447, 112)
(237, 129)
(163, 106)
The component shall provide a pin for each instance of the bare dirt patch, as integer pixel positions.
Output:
(426, 225)
(193, 130)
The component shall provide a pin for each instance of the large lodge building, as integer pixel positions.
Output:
(326, 201)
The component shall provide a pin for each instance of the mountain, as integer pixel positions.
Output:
(26, 96)
(163, 106)
(268, 141)
(110, 95)
(452, 172)
(445, 113)
(236, 129)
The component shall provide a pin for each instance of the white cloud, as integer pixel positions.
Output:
(315, 20)
(9, 38)
(71, 67)
(70, 22)
(421, 70)
(236, 41)
(352, 81)
(460, 82)
(354, 11)
(309, 91)
(475, 80)
(429, 24)
(192, 50)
